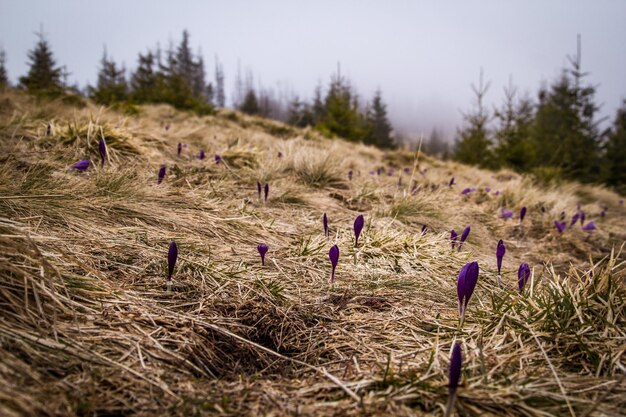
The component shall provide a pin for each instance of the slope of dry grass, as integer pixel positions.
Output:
(88, 329)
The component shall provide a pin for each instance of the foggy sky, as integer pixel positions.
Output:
(423, 55)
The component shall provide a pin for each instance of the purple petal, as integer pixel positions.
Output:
(102, 148)
(500, 251)
(262, 251)
(81, 165)
(523, 273)
(589, 226)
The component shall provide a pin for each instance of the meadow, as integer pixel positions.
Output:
(89, 327)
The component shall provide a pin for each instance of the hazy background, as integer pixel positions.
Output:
(422, 55)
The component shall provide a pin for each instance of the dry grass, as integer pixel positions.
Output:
(88, 329)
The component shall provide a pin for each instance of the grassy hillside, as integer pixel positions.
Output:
(88, 328)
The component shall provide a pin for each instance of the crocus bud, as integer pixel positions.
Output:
(560, 226)
(262, 251)
(325, 222)
(81, 166)
(500, 251)
(49, 130)
(454, 375)
(201, 155)
(575, 218)
(218, 158)
(589, 227)
(464, 236)
(506, 214)
(258, 189)
(161, 174)
(522, 214)
(451, 183)
(333, 255)
(523, 273)
(453, 236)
(466, 282)
(358, 226)
(102, 148)
(266, 191)
(350, 175)
(172, 256)
(179, 148)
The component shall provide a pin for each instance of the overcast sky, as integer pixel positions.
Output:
(423, 55)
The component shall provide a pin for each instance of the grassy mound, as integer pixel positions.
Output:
(88, 328)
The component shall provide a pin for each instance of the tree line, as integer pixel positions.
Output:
(177, 76)
(556, 136)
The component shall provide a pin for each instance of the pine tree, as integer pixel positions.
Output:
(43, 77)
(4, 78)
(379, 129)
(614, 161)
(300, 113)
(473, 145)
(111, 86)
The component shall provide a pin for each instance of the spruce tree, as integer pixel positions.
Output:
(220, 95)
(614, 161)
(564, 133)
(340, 117)
(43, 77)
(4, 78)
(473, 145)
(378, 126)
(515, 117)
(111, 87)
(144, 80)
(250, 103)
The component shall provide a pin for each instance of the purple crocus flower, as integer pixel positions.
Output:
(172, 256)
(497, 193)
(325, 222)
(102, 148)
(372, 172)
(466, 191)
(201, 156)
(523, 273)
(161, 174)
(560, 226)
(522, 214)
(406, 170)
(266, 191)
(333, 255)
(603, 213)
(487, 189)
(179, 148)
(358, 226)
(258, 189)
(350, 175)
(464, 236)
(589, 226)
(262, 251)
(218, 158)
(82, 165)
(575, 218)
(380, 170)
(506, 214)
(451, 183)
(49, 130)
(582, 217)
(500, 251)
(466, 282)
(453, 237)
